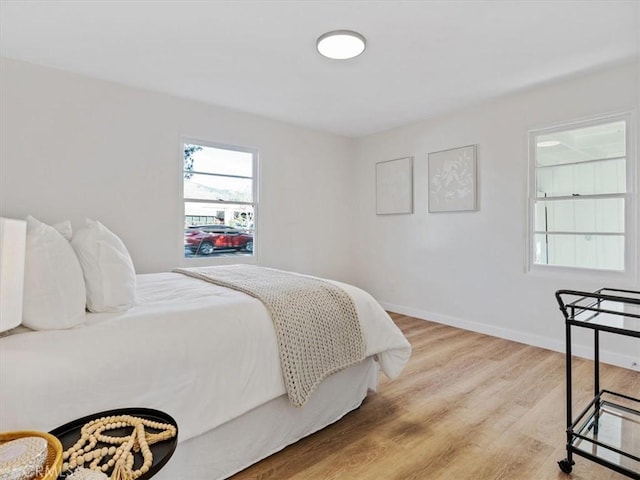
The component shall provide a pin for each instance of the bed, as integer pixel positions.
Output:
(205, 354)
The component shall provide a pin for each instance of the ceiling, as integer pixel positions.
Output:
(423, 58)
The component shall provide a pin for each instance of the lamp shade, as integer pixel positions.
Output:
(13, 234)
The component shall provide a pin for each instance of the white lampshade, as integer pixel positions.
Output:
(13, 234)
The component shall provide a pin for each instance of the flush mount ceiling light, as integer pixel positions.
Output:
(341, 44)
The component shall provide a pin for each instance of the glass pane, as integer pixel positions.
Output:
(213, 187)
(586, 251)
(606, 176)
(221, 161)
(581, 215)
(595, 142)
(215, 229)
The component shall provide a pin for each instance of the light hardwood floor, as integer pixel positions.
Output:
(467, 406)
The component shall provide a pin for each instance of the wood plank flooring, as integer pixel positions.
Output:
(467, 406)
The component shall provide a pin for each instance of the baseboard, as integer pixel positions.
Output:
(606, 356)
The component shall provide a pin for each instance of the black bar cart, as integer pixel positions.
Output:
(607, 431)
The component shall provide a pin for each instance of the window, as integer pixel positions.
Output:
(580, 204)
(219, 190)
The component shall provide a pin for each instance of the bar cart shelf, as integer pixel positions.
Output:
(607, 431)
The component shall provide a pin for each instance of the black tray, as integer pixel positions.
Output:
(162, 451)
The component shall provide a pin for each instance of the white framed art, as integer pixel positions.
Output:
(394, 186)
(452, 180)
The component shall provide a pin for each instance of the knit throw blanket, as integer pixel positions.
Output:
(316, 322)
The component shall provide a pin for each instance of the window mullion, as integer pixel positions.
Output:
(221, 202)
(583, 162)
(577, 197)
(551, 232)
(194, 172)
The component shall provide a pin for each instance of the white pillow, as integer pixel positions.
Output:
(64, 229)
(109, 274)
(54, 291)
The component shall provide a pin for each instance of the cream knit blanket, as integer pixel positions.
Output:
(316, 322)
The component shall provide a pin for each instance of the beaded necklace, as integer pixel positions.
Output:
(119, 454)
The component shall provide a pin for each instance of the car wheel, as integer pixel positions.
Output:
(206, 248)
(248, 247)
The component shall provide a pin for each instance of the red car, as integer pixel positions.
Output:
(204, 239)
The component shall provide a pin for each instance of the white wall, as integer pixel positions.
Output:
(74, 147)
(469, 268)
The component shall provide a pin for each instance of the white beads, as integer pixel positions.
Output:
(83, 454)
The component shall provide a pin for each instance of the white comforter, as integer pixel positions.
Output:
(202, 353)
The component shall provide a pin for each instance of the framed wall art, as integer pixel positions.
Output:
(394, 186)
(452, 180)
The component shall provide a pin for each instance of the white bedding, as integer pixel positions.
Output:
(269, 428)
(202, 353)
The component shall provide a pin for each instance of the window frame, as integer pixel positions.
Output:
(222, 259)
(630, 271)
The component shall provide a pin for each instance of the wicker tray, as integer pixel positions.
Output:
(54, 451)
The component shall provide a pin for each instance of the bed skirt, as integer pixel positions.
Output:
(239, 443)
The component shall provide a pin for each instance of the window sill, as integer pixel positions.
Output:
(604, 277)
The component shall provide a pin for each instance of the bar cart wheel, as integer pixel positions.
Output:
(565, 465)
